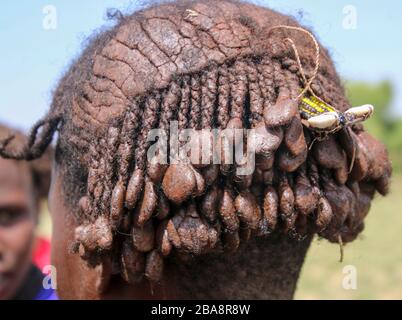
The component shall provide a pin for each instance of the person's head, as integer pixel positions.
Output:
(206, 64)
(22, 185)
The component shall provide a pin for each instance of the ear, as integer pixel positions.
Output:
(41, 173)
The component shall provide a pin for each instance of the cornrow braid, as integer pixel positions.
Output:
(238, 90)
(208, 96)
(278, 76)
(195, 111)
(100, 185)
(92, 181)
(266, 81)
(223, 96)
(184, 110)
(112, 145)
(256, 98)
(170, 104)
(150, 118)
(169, 112)
(128, 143)
(183, 114)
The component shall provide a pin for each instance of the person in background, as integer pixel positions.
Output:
(22, 186)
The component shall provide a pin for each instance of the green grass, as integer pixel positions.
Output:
(377, 256)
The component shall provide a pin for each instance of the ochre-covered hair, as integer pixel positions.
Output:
(206, 64)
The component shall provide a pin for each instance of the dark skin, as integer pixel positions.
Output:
(70, 267)
(263, 269)
(18, 218)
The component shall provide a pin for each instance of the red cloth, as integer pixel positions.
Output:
(41, 254)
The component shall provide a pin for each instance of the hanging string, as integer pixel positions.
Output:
(307, 83)
(341, 253)
(352, 161)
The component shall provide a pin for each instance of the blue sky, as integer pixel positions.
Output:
(33, 58)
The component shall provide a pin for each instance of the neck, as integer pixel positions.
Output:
(262, 269)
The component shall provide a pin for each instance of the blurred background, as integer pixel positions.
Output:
(40, 38)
